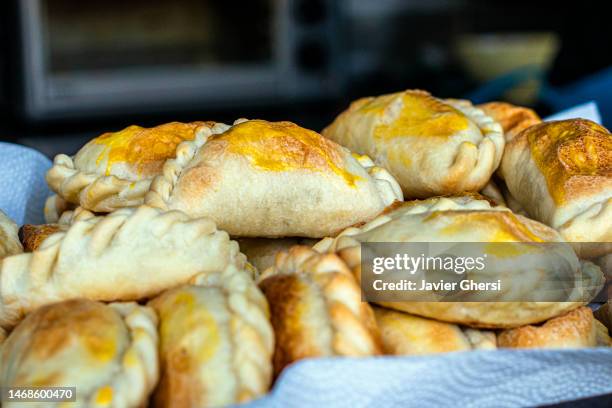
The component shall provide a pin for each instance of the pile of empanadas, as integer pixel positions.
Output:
(188, 264)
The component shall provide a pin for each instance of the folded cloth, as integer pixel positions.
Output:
(23, 189)
(496, 378)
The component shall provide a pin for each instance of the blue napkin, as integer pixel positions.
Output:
(23, 189)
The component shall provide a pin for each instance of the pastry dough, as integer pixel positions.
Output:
(316, 308)
(9, 241)
(561, 173)
(216, 344)
(130, 254)
(404, 334)
(575, 329)
(432, 146)
(55, 207)
(468, 220)
(261, 252)
(115, 170)
(513, 119)
(32, 236)
(273, 179)
(108, 352)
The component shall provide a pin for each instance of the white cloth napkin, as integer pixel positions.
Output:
(497, 378)
(23, 189)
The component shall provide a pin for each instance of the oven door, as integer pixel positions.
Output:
(107, 57)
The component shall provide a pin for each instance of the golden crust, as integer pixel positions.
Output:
(431, 146)
(9, 240)
(32, 236)
(107, 351)
(292, 182)
(115, 170)
(513, 119)
(574, 329)
(561, 174)
(404, 334)
(316, 308)
(216, 344)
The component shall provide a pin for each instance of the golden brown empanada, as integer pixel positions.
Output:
(115, 170)
(513, 119)
(108, 352)
(316, 308)
(130, 254)
(405, 334)
(431, 146)
(561, 174)
(9, 240)
(216, 343)
(464, 219)
(574, 329)
(273, 179)
(261, 252)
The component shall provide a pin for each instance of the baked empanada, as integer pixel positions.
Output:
(216, 344)
(513, 119)
(561, 174)
(575, 329)
(115, 170)
(405, 334)
(273, 179)
(261, 252)
(128, 255)
(431, 146)
(9, 240)
(464, 219)
(108, 352)
(316, 308)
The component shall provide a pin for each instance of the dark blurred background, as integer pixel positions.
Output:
(70, 69)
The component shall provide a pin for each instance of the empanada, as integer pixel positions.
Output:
(130, 254)
(9, 240)
(405, 334)
(513, 119)
(115, 170)
(316, 308)
(261, 252)
(561, 174)
(574, 329)
(108, 352)
(216, 344)
(273, 179)
(431, 146)
(467, 220)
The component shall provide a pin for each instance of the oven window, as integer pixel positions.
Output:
(118, 34)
